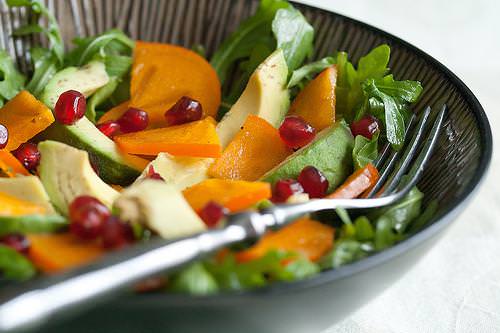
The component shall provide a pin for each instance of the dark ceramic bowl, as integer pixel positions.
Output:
(458, 165)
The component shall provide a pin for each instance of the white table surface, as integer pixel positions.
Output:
(456, 287)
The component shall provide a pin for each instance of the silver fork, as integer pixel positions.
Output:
(82, 287)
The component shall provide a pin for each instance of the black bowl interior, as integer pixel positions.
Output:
(464, 148)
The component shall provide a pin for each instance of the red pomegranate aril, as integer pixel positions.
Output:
(4, 136)
(285, 188)
(109, 128)
(29, 155)
(133, 120)
(296, 132)
(87, 216)
(212, 213)
(313, 181)
(152, 174)
(115, 234)
(70, 107)
(366, 126)
(16, 241)
(184, 111)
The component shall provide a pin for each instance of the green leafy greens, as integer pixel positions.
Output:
(368, 89)
(46, 61)
(365, 151)
(11, 81)
(15, 266)
(210, 276)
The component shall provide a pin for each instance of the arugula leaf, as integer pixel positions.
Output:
(109, 44)
(11, 81)
(253, 31)
(45, 64)
(393, 222)
(99, 97)
(393, 97)
(345, 252)
(423, 219)
(294, 35)
(52, 31)
(232, 275)
(301, 76)
(46, 61)
(349, 91)
(364, 229)
(15, 266)
(195, 280)
(365, 151)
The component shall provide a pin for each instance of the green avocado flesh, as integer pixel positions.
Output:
(31, 224)
(114, 167)
(330, 152)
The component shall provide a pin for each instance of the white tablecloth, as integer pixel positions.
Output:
(456, 287)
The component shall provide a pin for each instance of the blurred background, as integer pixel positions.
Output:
(456, 287)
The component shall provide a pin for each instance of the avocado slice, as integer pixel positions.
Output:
(330, 152)
(265, 95)
(28, 188)
(66, 174)
(114, 167)
(86, 79)
(159, 206)
(31, 224)
(179, 171)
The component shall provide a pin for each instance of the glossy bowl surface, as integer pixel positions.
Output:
(458, 165)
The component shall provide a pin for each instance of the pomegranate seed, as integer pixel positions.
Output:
(16, 241)
(285, 188)
(366, 126)
(116, 234)
(152, 174)
(184, 111)
(133, 120)
(296, 132)
(212, 213)
(70, 107)
(4, 136)
(109, 128)
(313, 181)
(29, 155)
(87, 216)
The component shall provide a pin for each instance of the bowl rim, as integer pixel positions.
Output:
(437, 223)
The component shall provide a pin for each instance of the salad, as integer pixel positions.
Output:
(116, 141)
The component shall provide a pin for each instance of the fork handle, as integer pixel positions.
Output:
(95, 282)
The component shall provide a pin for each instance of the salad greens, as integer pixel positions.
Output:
(15, 266)
(366, 88)
(46, 61)
(11, 81)
(365, 151)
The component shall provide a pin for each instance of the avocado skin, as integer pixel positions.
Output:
(111, 170)
(31, 224)
(330, 152)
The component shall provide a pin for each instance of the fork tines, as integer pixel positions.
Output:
(400, 170)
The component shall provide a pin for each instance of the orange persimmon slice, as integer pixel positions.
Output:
(12, 206)
(195, 139)
(306, 237)
(232, 194)
(56, 252)
(163, 73)
(316, 102)
(256, 149)
(10, 165)
(360, 181)
(24, 116)
(114, 113)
